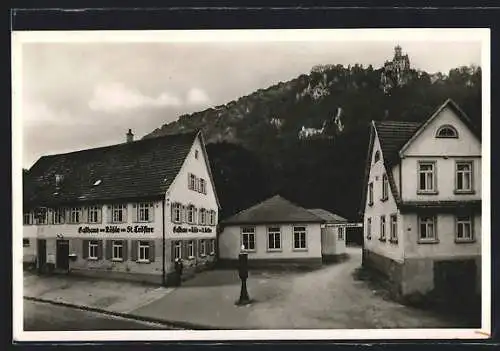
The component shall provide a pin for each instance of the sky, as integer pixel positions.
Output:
(78, 95)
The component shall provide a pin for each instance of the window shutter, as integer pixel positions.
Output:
(189, 181)
(125, 213)
(109, 214)
(183, 214)
(135, 209)
(134, 254)
(125, 249)
(172, 216)
(199, 247)
(50, 216)
(67, 215)
(172, 250)
(151, 251)
(184, 249)
(151, 212)
(85, 215)
(85, 249)
(99, 214)
(195, 247)
(99, 249)
(109, 249)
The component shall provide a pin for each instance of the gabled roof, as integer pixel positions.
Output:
(274, 210)
(455, 108)
(395, 136)
(141, 169)
(328, 216)
(392, 135)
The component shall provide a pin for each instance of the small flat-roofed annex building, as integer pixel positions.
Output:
(123, 211)
(277, 232)
(333, 235)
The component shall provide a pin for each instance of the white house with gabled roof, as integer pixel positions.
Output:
(422, 203)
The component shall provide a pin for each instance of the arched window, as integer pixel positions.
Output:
(377, 157)
(447, 131)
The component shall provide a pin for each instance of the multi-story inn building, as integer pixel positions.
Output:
(422, 203)
(123, 211)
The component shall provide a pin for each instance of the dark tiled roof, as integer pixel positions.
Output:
(393, 135)
(140, 169)
(274, 210)
(441, 205)
(327, 216)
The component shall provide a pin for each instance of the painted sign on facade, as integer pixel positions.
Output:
(117, 229)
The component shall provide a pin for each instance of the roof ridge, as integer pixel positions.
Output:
(135, 142)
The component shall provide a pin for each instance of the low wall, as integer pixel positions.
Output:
(390, 269)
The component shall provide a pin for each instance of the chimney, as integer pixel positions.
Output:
(130, 136)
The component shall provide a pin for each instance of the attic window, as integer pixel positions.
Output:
(447, 131)
(377, 157)
(196, 154)
(97, 182)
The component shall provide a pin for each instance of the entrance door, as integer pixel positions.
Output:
(41, 254)
(62, 255)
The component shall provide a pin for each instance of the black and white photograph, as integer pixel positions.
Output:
(251, 184)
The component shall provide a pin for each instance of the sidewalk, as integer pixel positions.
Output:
(110, 296)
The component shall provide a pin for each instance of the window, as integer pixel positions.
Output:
(75, 215)
(26, 242)
(41, 216)
(93, 249)
(463, 182)
(382, 227)
(426, 176)
(464, 231)
(248, 238)
(191, 181)
(190, 248)
(370, 194)
(299, 238)
(196, 154)
(376, 157)
(212, 217)
(191, 214)
(341, 232)
(58, 216)
(119, 213)
(212, 246)
(394, 229)
(27, 218)
(145, 212)
(203, 186)
(176, 212)
(143, 251)
(117, 253)
(274, 238)
(447, 131)
(177, 249)
(427, 229)
(368, 228)
(203, 217)
(203, 248)
(385, 187)
(94, 214)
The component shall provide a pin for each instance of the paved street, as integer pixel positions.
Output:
(39, 316)
(327, 298)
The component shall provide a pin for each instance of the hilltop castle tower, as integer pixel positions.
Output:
(395, 72)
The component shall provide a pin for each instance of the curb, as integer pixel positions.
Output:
(171, 324)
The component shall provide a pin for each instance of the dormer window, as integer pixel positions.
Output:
(447, 131)
(377, 157)
(97, 182)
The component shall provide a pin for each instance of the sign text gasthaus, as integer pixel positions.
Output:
(179, 229)
(117, 229)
